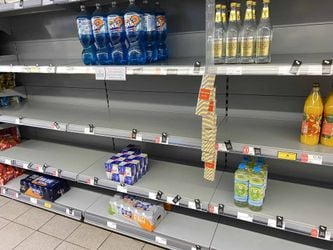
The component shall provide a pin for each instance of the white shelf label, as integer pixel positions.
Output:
(191, 205)
(170, 200)
(70, 212)
(244, 217)
(234, 71)
(26, 165)
(3, 191)
(272, 223)
(15, 195)
(55, 173)
(160, 240)
(284, 70)
(121, 189)
(8, 162)
(138, 137)
(314, 70)
(40, 169)
(111, 224)
(213, 209)
(152, 195)
(33, 200)
(222, 147)
(115, 73)
(17, 121)
(161, 71)
(159, 140)
(91, 182)
(100, 73)
(313, 159)
(47, 2)
(17, 6)
(87, 131)
(248, 150)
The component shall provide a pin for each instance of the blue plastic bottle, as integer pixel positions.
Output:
(161, 32)
(100, 31)
(150, 31)
(83, 22)
(134, 24)
(117, 34)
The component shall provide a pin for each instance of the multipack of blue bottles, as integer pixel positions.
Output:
(135, 36)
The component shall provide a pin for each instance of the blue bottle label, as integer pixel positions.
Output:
(99, 24)
(84, 26)
(161, 24)
(150, 22)
(133, 22)
(115, 23)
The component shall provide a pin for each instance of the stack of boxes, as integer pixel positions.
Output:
(128, 166)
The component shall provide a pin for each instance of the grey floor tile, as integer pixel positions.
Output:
(3, 222)
(151, 247)
(119, 242)
(12, 234)
(39, 241)
(3, 200)
(60, 227)
(88, 236)
(34, 218)
(13, 209)
(69, 246)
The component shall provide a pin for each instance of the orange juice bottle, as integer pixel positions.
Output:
(313, 112)
(327, 128)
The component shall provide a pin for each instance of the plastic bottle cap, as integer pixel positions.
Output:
(233, 5)
(218, 6)
(266, 1)
(316, 85)
(242, 166)
(257, 169)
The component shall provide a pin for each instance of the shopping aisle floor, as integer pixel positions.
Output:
(26, 227)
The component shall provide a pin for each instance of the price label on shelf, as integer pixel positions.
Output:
(55, 173)
(313, 159)
(8, 162)
(70, 211)
(18, 121)
(152, 195)
(160, 240)
(287, 156)
(32, 69)
(88, 131)
(115, 73)
(170, 201)
(273, 223)
(48, 205)
(47, 2)
(191, 205)
(18, 6)
(222, 147)
(213, 209)
(3, 191)
(122, 189)
(244, 217)
(100, 73)
(247, 150)
(111, 224)
(90, 182)
(33, 200)
(26, 165)
(234, 71)
(283, 70)
(15, 195)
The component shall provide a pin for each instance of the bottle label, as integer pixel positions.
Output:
(247, 47)
(327, 130)
(218, 49)
(256, 194)
(248, 14)
(311, 125)
(265, 13)
(161, 24)
(115, 23)
(218, 17)
(133, 22)
(150, 22)
(263, 46)
(84, 26)
(241, 189)
(231, 47)
(99, 24)
(232, 17)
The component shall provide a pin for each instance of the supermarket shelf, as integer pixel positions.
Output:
(175, 231)
(59, 160)
(87, 166)
(228, 237)
(291, 201)
(183, 129)
(174, 66)
(281, 65)
(28, 4)
(72, 204)
(272, 137)
(17, 91)
(181, 180)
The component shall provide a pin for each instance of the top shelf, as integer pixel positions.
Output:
(281, 66)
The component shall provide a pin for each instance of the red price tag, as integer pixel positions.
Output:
(314, 232)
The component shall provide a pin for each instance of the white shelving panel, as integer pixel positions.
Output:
(87, 166)
(271, 136)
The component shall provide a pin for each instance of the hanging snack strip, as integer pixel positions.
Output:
(206, 108)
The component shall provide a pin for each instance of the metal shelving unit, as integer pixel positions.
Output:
(182, 180)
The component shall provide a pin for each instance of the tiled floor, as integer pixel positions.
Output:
(26, 227)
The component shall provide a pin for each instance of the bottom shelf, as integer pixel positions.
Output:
(175, 231)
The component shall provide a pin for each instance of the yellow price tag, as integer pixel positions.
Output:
(287, 156)
(47, 205)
